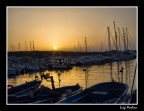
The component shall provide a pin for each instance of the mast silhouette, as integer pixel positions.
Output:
(115, 36)
(26, 45)
(85, 45)
(109, 42)
(124, 39)
(33, 46)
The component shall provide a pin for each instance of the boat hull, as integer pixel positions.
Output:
(108, 92)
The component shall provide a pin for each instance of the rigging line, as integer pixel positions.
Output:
(113, 39)
(113, 46)
(131, 40)
(129, 73)
(126, 78)
(120, 63)
(122, 37)
(104, 39)
(130, 45)
(119, 39)
(116, 25)
(134, 78)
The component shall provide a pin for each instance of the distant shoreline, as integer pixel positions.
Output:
(60, 53)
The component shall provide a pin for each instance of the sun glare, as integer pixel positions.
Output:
(55, 47)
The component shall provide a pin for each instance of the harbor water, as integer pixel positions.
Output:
(93, 74)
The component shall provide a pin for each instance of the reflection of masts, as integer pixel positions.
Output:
(133, 79)
(121, 70)
(59, 79)
(86, 76)
(126, 67)
(118, 71)
(111, 72)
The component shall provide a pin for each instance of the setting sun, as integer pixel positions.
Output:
(61, 28)
(55, 47)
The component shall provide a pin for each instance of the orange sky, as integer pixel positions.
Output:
(64, 27)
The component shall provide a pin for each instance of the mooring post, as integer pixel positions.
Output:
(52, 82)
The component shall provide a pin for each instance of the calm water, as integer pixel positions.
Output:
(96, 74)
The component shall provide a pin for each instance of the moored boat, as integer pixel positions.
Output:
(107, 92)
(23, 89)
(47, 95)
(133, 97)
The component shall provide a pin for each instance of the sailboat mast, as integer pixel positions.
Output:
(30, 45)
(33, 45)
(127, 38)
(12, 47)
(85, 44)
(78, 46)
(19, 46)
(74, 48)
(101, 47)
(124, 40)
(109, 42)
(26, 45)
(115, 36)
(119, 39)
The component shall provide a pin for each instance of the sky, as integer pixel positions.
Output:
(65, 28)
